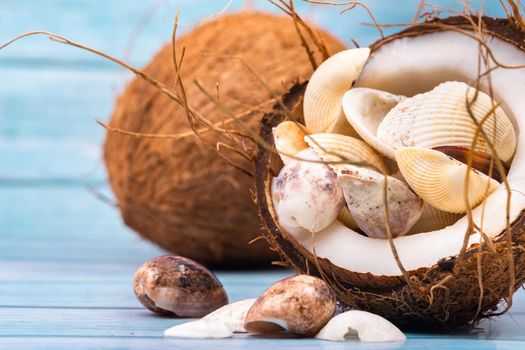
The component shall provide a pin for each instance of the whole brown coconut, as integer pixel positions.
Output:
(179, 193)
(457, 290)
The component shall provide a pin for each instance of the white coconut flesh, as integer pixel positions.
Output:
(412, 65)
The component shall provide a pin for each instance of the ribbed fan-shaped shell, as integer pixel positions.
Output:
(322, 99)
(440, 179)
(433, 219)
(441, 117)
(341, 148)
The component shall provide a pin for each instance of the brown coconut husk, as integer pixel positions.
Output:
(177, 191)
(456, 292)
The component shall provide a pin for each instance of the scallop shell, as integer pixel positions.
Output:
(339, 148)
(364, 109)
(440, 117)
(440, 179)
(289, 139)
(433, 219)
(329, 82)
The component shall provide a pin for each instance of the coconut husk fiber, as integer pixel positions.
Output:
(458, 291)
(179, 193)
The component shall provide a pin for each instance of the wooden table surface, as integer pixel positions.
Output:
(66, 259)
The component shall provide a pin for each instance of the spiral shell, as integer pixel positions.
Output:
(441, 117)
(440, 179)
(329, 82)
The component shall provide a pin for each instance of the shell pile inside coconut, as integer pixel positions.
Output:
(422, 153)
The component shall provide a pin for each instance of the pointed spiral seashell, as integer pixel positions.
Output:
(340, 148)
(440, 179)
(288, 138)
(363, 190)
(329, 82)
(441, 117)
(364, 109)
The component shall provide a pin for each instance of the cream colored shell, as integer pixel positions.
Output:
(440, 180)
(433, 219)
(341, 150)
(364, 109)
(364, 192)
(329, 82)
(288, 137)
(441, 117)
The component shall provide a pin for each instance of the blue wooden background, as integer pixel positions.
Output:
(66, 260)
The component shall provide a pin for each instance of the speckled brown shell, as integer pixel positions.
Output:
(173, 285)
(304, 303)
(179, 193)
(445, 296)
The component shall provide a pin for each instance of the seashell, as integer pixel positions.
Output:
(232, 315)
(336, 148)
(289, 139)
(364, 194)
(199, 329)
(440, 179)
(364, 109)
(301, 305)
(329, 82)
(361, 326)
(440, 117)
(174, 285)
(306, 194)
(433, 219)
(480, 161)
(345, 217)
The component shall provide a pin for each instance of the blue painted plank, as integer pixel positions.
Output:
(113, 292)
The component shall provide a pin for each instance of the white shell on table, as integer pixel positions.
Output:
(441, 117)
(364, 192)
(361, 326)
(288, 138)
(322, 98)
(232, 315)
(440, 179)
(340, 148)
(364, 109)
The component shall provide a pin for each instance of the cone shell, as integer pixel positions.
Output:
(365, 109)
(440, 117)
(337, 148)
(288, 137)
(440, 179)
(322, 99)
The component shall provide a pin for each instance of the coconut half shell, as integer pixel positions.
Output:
(438, 291)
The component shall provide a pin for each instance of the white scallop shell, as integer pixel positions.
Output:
(340, 148)
(441, 117)
(329, 82)
(440, 179)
